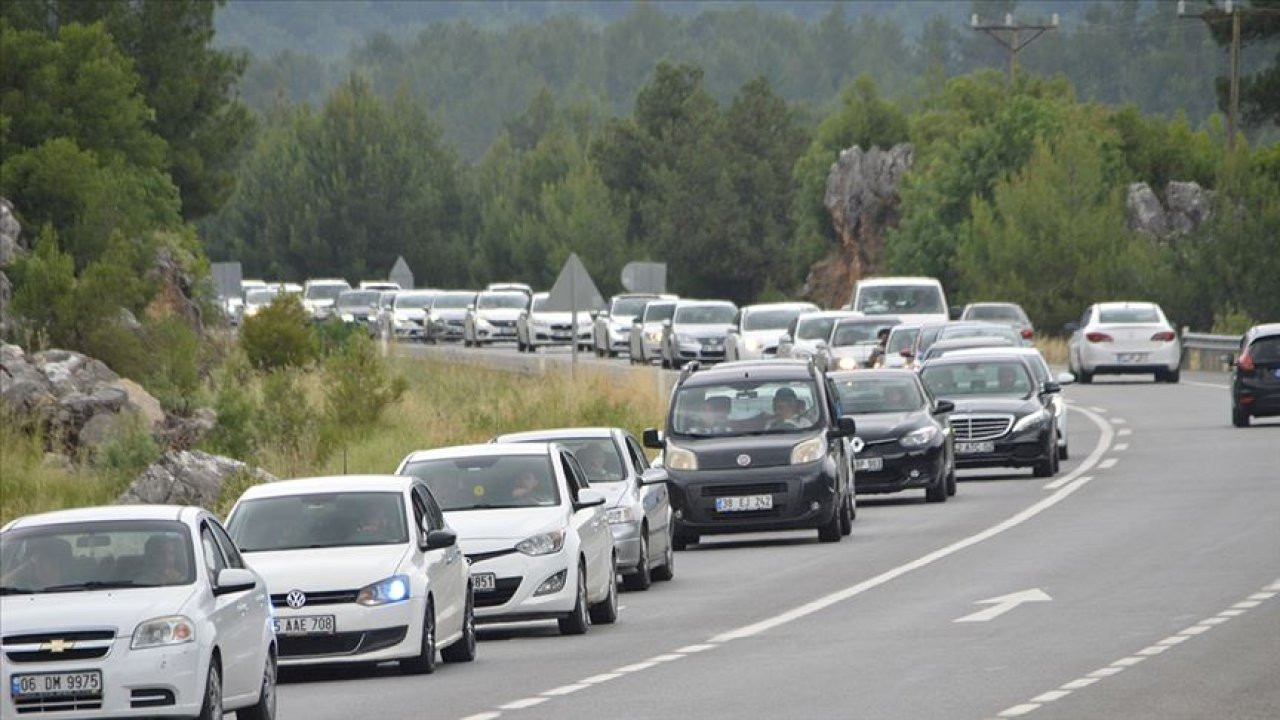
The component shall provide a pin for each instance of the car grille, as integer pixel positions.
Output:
(755, 489)
(980, 427)
(343, 643)
(504, 590)
(61, 703)
(39, 647)
(562, 327)
(503, 323)
(325, 597)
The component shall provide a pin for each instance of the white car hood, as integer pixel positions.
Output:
(485, 530)
(499, 313)
(122, 609)
(766, 338)
(411, 313)
(450, 313)
(861, 353)
(332, 568)
(556, 317)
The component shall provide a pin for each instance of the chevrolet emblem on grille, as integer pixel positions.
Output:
(58, 645)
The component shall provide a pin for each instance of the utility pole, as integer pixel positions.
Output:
(1014, 42)
(1229, 10)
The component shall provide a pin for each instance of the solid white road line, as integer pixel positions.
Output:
(1103, 445)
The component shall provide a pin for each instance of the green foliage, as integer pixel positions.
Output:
(288, 423)
(173, 363)
(332, 335)
(359, 386)
(124, 456)
(279, 336)
(235, 434)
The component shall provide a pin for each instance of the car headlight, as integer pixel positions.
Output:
(677, 458)
(919, 438)
(753, 344)
(542, 544)
(810, 450)
(621, 516)
(348, 317)
(1034, 420)
(686, 339)
(384, 592)
(653, 335)
(483, 322)
(161, 631)
(847, 363)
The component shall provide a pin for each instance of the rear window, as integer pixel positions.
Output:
(901, 300)
(1128, 315)
(657, 312)
(815, 328)
(1265, 349)
(899, 341)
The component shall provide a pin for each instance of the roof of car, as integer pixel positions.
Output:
(556, 434)
(1001, 350)
(327, 281)
(893, 320)
(105, 512)
(487, 449)
(971, 341)
(685, 303)
(1127, 303)
(1267, 329)
(777, 369)
(778, 306)
(875, 373)
(831, 313)
(901, 280)
(992, 304)
(332, 483)
(992, 354)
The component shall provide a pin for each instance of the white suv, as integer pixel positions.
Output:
(132, 611)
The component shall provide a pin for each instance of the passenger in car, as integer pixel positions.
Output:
(714, 417)
(164, 563)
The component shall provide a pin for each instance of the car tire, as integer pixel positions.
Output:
(1063, 453)
(667, 570)
(425, 662)
(1239, 418)
(1085, 378)
(682, 541)
(951, 479)
(846, 518)
(937, 492)
(1173, 376)
(464, 648)
(577, 622)
(1049, 466)
(265, 708)
(211, 708)
(605, 612)
(641, 579)
(830, 532)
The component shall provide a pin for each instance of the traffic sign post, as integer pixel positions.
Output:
(574, 291)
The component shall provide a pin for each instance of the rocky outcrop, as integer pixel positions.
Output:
(1186, 206)
(171, 271)
(11, 248)
(188, 477)
(862, 197)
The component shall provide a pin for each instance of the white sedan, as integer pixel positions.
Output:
(1124, 338)
(536, 534)
(361, 568)
(132, 611)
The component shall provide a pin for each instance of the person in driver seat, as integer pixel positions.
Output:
(787, 409)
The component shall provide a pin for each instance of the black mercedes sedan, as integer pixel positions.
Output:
(903, 440)
(1002, 416)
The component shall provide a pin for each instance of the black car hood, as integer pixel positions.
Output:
(722, 453)
(889, 426)
(969, 404)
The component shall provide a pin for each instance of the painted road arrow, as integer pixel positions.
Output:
(1005, 603)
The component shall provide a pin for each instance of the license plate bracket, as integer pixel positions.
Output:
(744, 503)
(484, 582)
(305, 625)
(55, 684)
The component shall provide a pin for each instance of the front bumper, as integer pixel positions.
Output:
(898, 466)
(494, 333)
(701, 352)
(441, 330)
(518, 577)
(363, 634)
(1024, 449)
(804, 497)
(136, 683)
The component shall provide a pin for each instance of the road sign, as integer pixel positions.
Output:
(401, 274)
(650, 277)
(574, 289)
(227, 277)
(1005, 603)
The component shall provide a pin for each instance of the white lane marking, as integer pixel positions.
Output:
(1124, 432)
(483, 716)
(1099, 410)
(1003, 604)
(1121, 447)
(1164, 645)
(665, 658)
(1063, 481)
(1103, 445)
(1206, 385)
(605, 677)
(1108, 463)
(689, 649)
(523, 703)
(1119, 421)
(637, 667)
(566, 690)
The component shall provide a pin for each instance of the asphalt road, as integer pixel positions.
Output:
(1153, 559)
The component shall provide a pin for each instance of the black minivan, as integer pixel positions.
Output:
(756, 446)
(1255, 381)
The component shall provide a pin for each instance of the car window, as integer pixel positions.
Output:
(419, 510)
(746, 406)
(229, 550)
(579, 476)
(986, 377)
(433, 509)
(901, 340)
(320, 520)
(1129, 315)
(1265, 349)
(900, 299)
(995, 312)
(68, 556)
(488, 482)
(815, 328)
(873, 395)
(213, 560)
(597, 457)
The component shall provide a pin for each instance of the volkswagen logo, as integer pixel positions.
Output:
(744, 460)
(295, 599)
(857, 444)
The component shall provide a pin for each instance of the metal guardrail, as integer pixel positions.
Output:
(1203, 351)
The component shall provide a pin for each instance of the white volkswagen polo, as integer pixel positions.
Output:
(361, 568)
(131, 611)
(536, 535)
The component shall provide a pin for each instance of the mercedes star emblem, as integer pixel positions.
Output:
(295, 599)
(744, 460)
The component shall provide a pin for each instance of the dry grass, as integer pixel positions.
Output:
(1054, 350)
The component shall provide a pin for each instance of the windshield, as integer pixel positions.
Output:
(325, 292)
(413, 301)
(901, 300)
(72, 557)
(954, 332)
(745, 407)
(657, 312)
(452, 301)
(260, 297)
(1004, 313)
(514, 300)
(539, 302)
(869, 396)
(818, 328)
(358, 299)
(598, 457)
(853, 333)
(489, 482)
(902, 340)
(769, 319)
(990, 377)
(319, 520)
(704, 315)
(628, 307)
(1128, 315)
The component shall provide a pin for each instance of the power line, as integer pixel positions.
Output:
(1013, 42)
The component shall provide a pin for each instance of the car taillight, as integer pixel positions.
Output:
(1164, 336)
(1028, 333)
(1245, 363)
(1097, 337)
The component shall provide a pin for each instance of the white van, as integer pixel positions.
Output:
(910, 299)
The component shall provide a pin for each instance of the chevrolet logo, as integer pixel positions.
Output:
(58, 645)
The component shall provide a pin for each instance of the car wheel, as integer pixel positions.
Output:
(265, 708)
(682, 541)
(425, 662)
(667, 570)
(937, 492)
(1173, 376)
(211, 708)
(577, 621)
(846, 518)
(830, 532)
(1063, 453)
(605, 612)
(1049, 466)
(1239, 418)
(640, 579)
(464, 649)
(1084, 377)
(951, 479)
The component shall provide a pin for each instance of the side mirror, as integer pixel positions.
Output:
(588, 498)
(653, 476)
(1051, 387)
(438, 539)
(1071, 327)
(234, 580)
(653, 439)
(845, 427)
(956, 311)
(1065, 378)
(942, 407)
(1229, 360)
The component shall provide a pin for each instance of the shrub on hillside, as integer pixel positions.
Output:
(279, 336)
(359, 385)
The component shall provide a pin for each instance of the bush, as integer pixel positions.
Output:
(235, 402)
(358, 385)
(332, 335)
(279, 336)
(289, 426)
(126, 455)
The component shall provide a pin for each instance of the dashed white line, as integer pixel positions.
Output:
(1263, 596)
(1174, 640)
(1234, 612)
(690, 649)
(1119, 421)
(605, 677)
(1121, 447)
(566, 690)
(1196, 630)
(637, 667)
(1105, 672)
(1206, 385)
(1152, 650)
(1124, 432)
(1215, 621)
(1018, 710)
(523, 703)
(1099, 410)
(1128, 662)
(483, 716)
(1245, 605)
(665, 658)
(1051, 696)
(1108, 463)
(1083, 682)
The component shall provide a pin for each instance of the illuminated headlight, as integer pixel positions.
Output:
(686, 339)
(753, 344)
(1034, 420)
(810, 450)
(348, 317)
(847, 363)
(919, 438)
(384, 592)
(542, 544)
(161, 631)
(620, 516)
(677, 458)
(653, 335)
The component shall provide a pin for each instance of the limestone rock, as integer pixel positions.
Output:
(188, 477)
(144, 403)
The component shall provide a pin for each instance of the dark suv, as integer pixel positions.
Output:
(756, 446)
(1255, 381)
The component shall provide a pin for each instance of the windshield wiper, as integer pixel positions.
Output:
(98, 585)
(7, 590)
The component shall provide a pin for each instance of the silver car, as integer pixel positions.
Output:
(696, 331)
(447, 314)
(810, 332)
(638, 504)
(611, 329)
(758, 328)
(646, 331)
(492, 317)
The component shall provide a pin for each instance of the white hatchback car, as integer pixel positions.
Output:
(536, 534)
(1124, 338)
(361, 568)
(132, 611)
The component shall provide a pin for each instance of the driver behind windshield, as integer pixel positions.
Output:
(44, 566)
(787, 409)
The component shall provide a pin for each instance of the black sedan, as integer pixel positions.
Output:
(904, 440)
(1002, 416)
(1255, 380)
